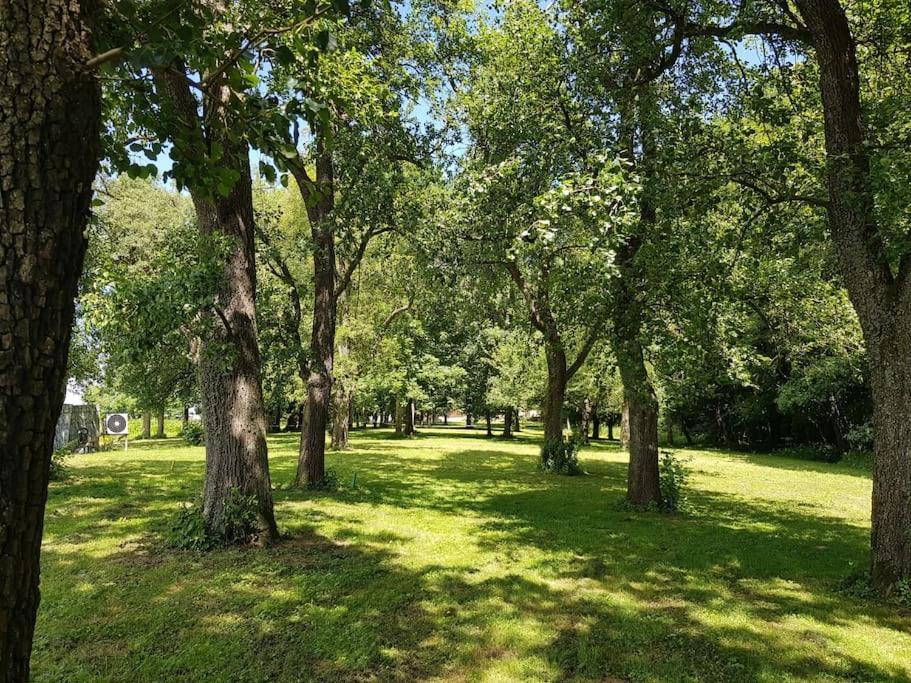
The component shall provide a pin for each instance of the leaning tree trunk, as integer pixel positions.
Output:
(146, 425)
(228, 358)
(50, 111)
(882, 300)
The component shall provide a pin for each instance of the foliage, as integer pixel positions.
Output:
(58, 467)
(238, 523)
(562, 457)
(673, 477)
(329, 482)
(188, 530)
(193, 432)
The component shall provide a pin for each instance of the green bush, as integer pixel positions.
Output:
(673, 475)
(188, 531)
(861, 438)
(330, 482)
(58, 463)
(561, 457)
(239, 518)
(193, 433)
(238, 525)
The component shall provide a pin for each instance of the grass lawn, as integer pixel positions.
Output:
(453, 558)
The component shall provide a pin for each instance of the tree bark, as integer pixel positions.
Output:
(554, 394)
(507, 423)
(517, 426)
(610, 427)
(640, 403)
(596, 424)
(408, 428)
(50, 113)
(586, 419)
(624, 425)
(489, 425)
(340, 419)
(146, 425)
(319, 198)
(159, 434)
(228, 359)
(882, 300)
(639, 424)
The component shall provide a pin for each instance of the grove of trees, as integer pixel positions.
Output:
(657, 216)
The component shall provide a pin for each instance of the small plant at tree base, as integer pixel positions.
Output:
(188, 531)
(561, 457)
(193, 433)
(238, 520)
(329, 482)
(58, 463)
(238, 525)
(673, 475)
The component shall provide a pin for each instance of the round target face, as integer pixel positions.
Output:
(116, 424)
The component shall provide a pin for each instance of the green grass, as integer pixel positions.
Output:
(453, 558)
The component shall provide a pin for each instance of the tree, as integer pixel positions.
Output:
(542, 200)
(49, 149)
(874, 260)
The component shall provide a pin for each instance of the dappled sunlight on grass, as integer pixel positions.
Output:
(452, 557)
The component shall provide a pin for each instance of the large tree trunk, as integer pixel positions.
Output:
(640, 404)
(49, 125)
(228, 358)
(146, 425)
(311, 466)
(507, 423)
(882, 300)
(596, 424)
(159, 434)
(517, 425)
(554, 394)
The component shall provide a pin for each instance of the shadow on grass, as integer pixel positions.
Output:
(723, 594)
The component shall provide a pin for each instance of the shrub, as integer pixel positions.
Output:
(673, 475)
(238, 525)
(329, 482)
(239, 518)
(561, 457)
(188, 531)
(58, 463)
(861, 438)
(193, 433)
